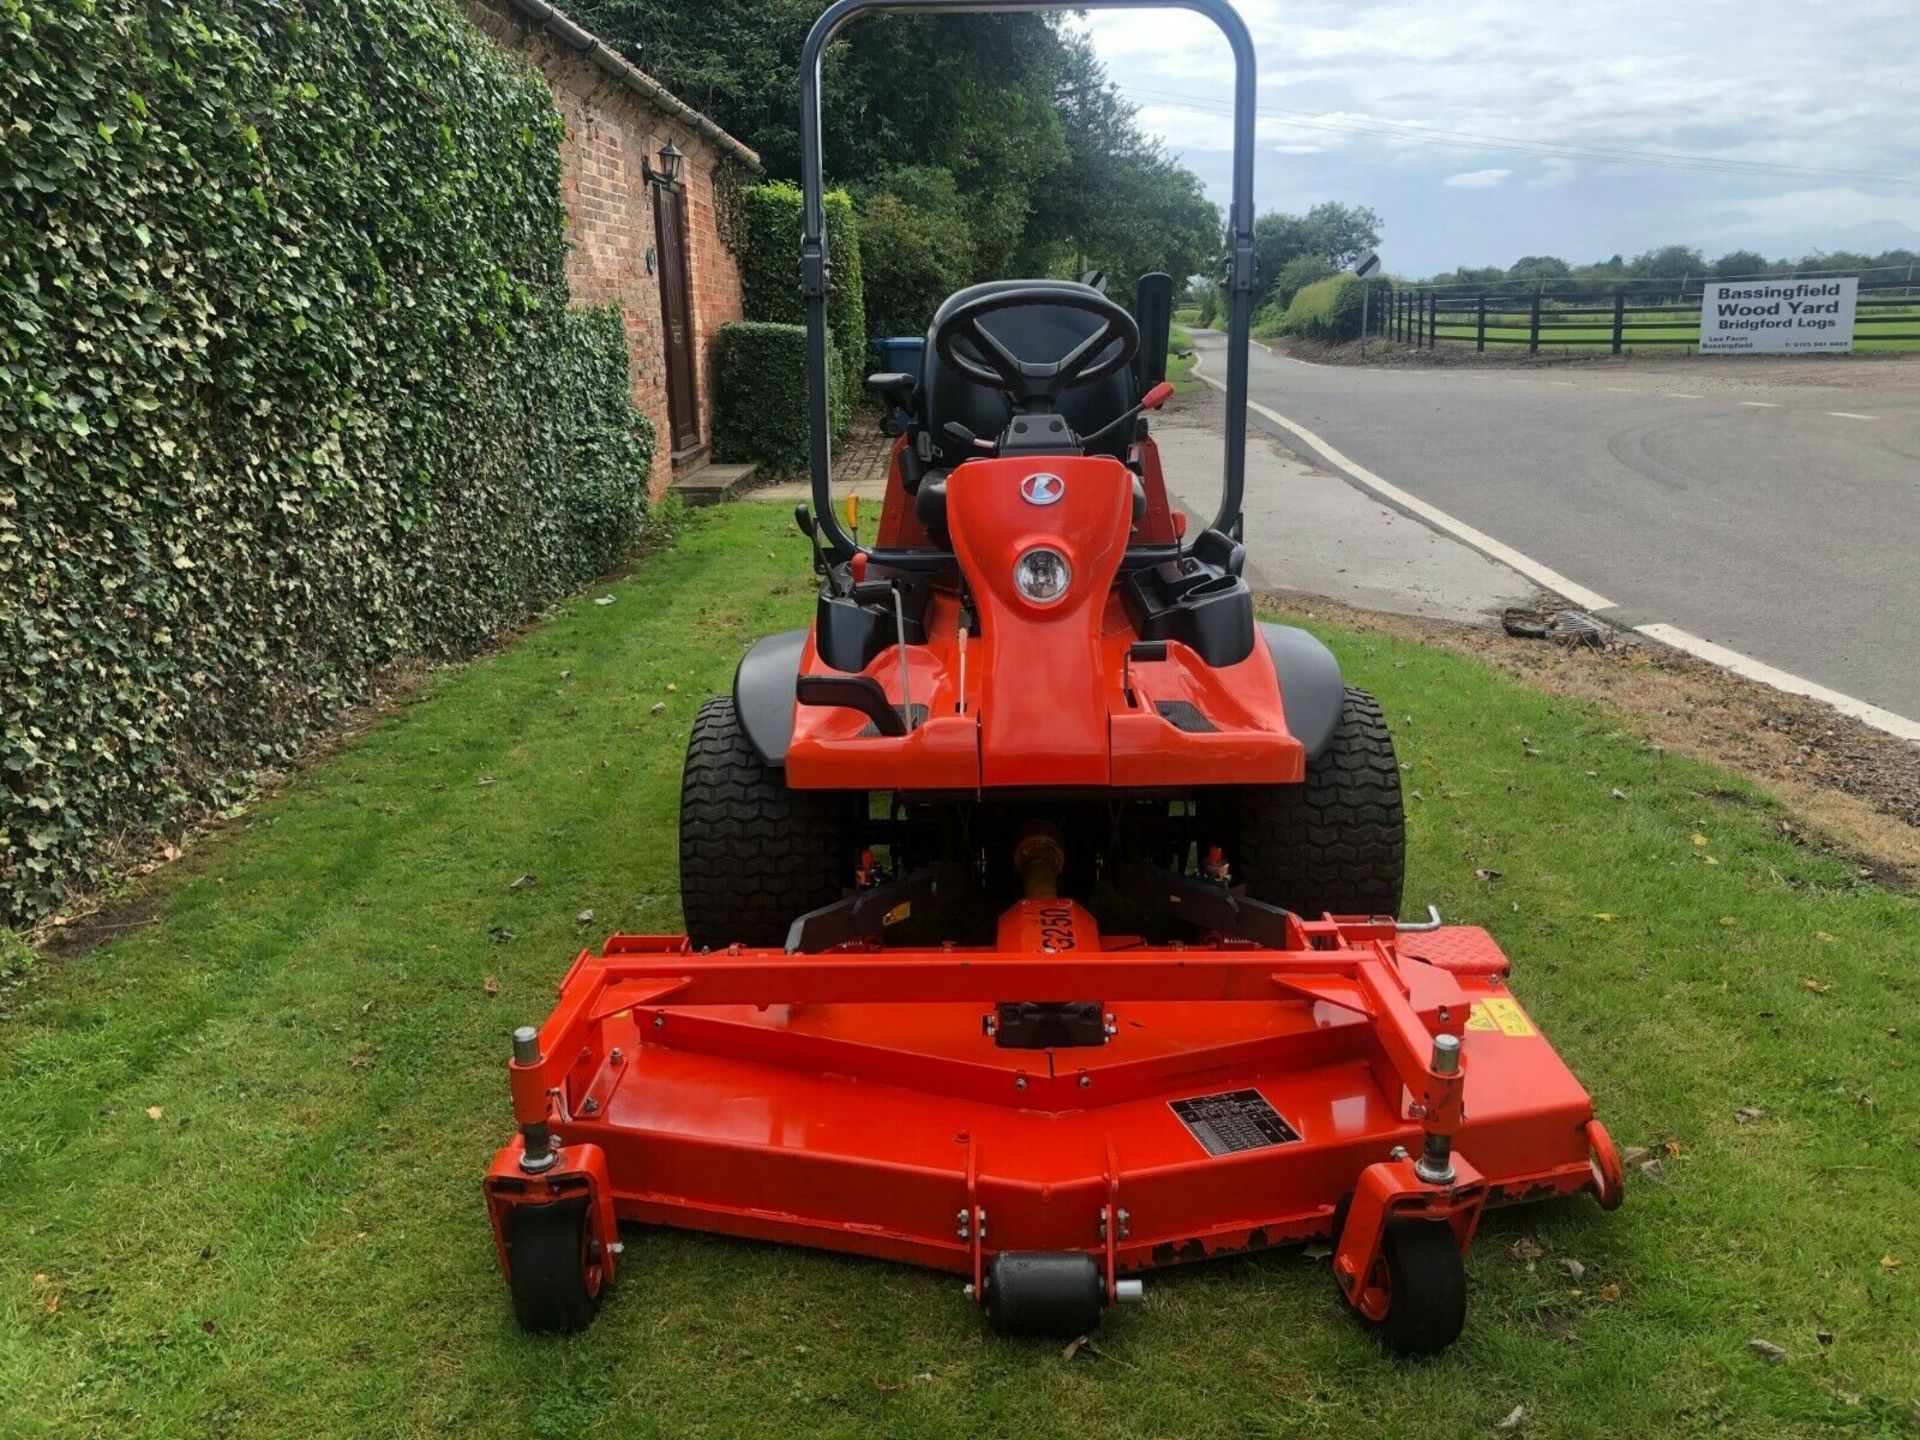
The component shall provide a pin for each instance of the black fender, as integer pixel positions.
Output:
(1311, 689)
(763, 695)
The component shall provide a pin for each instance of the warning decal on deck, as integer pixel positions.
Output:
(1499, 1014)
(1234, 1120)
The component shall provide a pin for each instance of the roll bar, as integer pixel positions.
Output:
(815, 273)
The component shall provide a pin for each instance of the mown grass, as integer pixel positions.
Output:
(239, 1172)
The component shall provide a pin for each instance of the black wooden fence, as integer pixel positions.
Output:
(1887, 310)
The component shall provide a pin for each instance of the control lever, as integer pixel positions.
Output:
(961, 435)
(1152, 400)
(878, 592)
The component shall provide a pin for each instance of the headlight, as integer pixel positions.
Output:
(1041, 575)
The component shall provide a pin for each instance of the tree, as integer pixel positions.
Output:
(1539, 268)
(1118, 204)
(1738, 263)
(1017, 111)
(1331, 232)
(916, 248)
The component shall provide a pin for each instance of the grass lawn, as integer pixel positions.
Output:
(1180, 367)
(240, 1147)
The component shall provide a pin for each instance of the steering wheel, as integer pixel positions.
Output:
(1036, 380)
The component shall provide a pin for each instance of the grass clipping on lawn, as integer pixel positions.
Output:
(243, 1143)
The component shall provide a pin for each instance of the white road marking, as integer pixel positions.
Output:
(1682, 395)
(1847, 415)
(1560, 382)
(1761, 404)
(1541, 575)
(1621, 389)
(1766, 674)
(1743, 665)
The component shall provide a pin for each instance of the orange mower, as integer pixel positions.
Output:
(1040, 900)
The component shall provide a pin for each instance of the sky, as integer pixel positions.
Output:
(1783, 126)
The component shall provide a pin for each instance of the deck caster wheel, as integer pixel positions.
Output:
(1044, 1292)
(1425, 1281)
(555, 1268)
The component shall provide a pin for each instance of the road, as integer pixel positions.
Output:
(1772, 512)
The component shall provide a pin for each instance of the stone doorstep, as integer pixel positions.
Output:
(710, 484)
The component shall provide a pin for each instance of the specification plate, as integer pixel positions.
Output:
(1234, 1120)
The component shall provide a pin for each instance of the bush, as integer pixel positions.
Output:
(918, 248)
(1295, 276)
(288, 392)
(770, 278)
(1330, 310)
(760, 381)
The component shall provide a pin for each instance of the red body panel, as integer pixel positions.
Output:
(851, 1100)
(1050, 698)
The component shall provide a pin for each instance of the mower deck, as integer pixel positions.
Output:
(858, 1100)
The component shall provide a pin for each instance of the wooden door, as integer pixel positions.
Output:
(676, 316)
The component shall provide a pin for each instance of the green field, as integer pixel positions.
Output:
(240, 1144)
(1513, 326)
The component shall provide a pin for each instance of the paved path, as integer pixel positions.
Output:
(1779, 520)
(1309, 530)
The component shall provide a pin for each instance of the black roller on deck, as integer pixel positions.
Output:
(1044, 1292)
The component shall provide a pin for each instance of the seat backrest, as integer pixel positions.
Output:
(1033, 332)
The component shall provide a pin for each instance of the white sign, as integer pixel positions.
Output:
(1772, 317)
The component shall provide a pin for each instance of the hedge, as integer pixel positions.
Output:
(770, 278)
(288, 392)
(1331, 309)
(760, 375)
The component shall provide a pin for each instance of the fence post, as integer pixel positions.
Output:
(1533, 326)
(1619, 316)
(1399, 314)
(1480, 326)
(1433, 317)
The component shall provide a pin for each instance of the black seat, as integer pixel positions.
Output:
(1033, 332)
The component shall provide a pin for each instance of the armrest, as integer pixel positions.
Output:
(895, 387)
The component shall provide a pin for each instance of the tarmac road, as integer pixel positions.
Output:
(1768, 509)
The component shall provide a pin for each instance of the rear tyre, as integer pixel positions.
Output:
(554, 1267)
(1337, 843)
(754, 854)
(1426, 1283)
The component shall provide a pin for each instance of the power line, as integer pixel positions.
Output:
(1513, 145)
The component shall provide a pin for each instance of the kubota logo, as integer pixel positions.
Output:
(1042, 489)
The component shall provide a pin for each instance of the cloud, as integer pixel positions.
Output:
(1476, 179)
(1396, 93)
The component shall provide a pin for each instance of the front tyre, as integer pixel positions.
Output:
(754, 854)
(1336, 844)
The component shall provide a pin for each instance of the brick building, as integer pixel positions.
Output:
(651, 245)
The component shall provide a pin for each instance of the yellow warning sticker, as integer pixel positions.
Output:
(1507, 1017)
(898, 913)
(1478, 1019)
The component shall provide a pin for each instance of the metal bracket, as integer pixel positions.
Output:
(1245, 264)
(1208, 904)
(815, 273)
(866, 912)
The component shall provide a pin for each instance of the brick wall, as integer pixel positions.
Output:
(610, 215)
